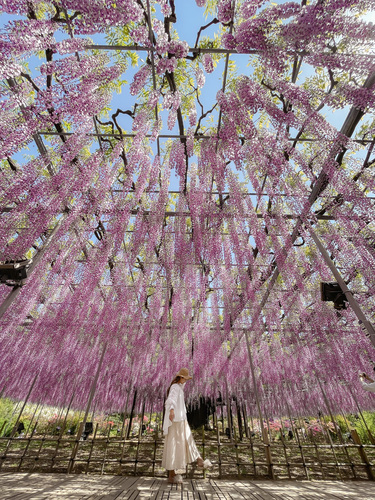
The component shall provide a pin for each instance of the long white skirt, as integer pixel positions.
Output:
(179, 447)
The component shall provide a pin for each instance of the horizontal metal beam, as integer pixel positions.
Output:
(193, 50)
(195, 136)
(210, 50)
(169, 213)
(105, 285)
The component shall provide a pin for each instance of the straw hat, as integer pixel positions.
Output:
(184, 372)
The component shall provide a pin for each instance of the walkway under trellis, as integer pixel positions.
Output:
(47, 486)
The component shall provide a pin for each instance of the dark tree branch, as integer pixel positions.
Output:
(214, 21)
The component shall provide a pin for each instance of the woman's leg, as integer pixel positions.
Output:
(200, 462)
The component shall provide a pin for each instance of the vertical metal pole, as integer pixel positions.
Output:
(348, 294)
(131, 415)
(239, 419)
(23, 406)
(266, 442)
(125, 410)
(32, 419)
(250, 432)
(244, 415)
(295, 432)
(67, 413)
(282, 438)
(91, 397)
(330, 441)
(93, 387)
(372, 439)
(338, 431)
(4, 454)
(222, 414)
(218, 449)
(337, 428)
(229, 413)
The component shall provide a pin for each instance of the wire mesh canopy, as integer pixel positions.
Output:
(181, 182)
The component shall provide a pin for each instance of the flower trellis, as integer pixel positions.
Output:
(220, 273)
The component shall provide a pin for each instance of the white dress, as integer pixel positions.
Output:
(179, 446)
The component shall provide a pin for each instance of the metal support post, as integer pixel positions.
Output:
(266, 442)
(348, 294)
(82, 426)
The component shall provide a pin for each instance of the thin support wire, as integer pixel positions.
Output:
(150, 34)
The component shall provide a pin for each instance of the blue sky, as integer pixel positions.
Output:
(189, 19)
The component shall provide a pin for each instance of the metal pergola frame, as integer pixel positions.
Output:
(347, 129)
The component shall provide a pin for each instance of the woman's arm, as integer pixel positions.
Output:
(171, 401)
(170, 405)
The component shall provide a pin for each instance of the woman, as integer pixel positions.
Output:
(179, 447)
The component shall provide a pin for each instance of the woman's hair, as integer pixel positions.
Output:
(174, 381)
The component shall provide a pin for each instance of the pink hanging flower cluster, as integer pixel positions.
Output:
(161, 279)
